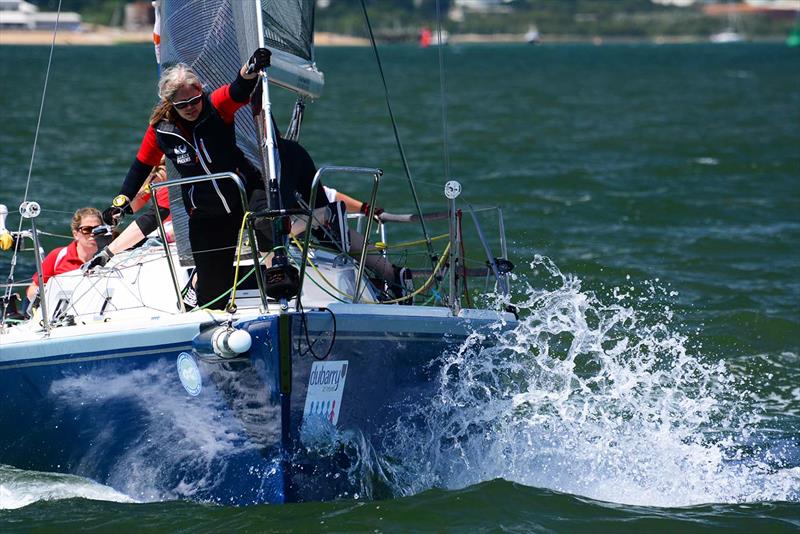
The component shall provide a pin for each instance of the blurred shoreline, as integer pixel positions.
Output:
(104, 36)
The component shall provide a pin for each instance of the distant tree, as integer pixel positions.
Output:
(401, 19)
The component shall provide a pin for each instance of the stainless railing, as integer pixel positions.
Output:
(377, 174)
(254, 249)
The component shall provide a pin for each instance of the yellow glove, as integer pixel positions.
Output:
(6, 241)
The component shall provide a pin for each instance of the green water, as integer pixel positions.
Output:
(496, 506)
(674, 167)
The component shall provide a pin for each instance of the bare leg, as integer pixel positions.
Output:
(321, 216)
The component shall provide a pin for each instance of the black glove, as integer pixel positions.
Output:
(98, 260)
(112, 215)
(259, 60)
(365, 210)
(119, 206)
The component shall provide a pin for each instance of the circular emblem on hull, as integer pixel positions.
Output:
(189, 373)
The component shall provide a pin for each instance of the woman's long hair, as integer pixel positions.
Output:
(172, 79)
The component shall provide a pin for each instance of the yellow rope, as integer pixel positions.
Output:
(300, 247)
(383, 246)
(422, 288)
(232, 302)
(426, 285)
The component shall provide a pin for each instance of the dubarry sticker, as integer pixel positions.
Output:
(325, 387)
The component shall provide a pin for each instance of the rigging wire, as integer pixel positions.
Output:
(443, 93)
(41, 106)
(7, 295)
(406, 168)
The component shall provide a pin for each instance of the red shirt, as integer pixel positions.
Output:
(53, 265)
(162, 199)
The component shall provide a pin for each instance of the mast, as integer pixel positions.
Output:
(269, 149)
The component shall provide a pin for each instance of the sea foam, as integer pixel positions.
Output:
(604, 400)
(20, 488)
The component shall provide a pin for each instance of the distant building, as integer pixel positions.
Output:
(781, 5)
(139, 16)
(459, 8)
(21, 15)
(482, 6)
(679, 3)
(776, 8)
(742, 5)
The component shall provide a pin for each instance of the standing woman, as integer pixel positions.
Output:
(195, 130)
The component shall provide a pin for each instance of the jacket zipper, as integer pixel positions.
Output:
(203, 163)
(203, 146)
(205, 168)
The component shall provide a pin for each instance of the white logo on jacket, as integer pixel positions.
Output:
(181, 156)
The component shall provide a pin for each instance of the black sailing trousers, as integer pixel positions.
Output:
(214, 240)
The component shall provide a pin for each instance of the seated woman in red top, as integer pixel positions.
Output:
(71, 257)
(195, 130)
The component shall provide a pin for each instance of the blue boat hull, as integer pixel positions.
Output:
(268, 427)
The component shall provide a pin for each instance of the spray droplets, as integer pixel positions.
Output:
(595, 399)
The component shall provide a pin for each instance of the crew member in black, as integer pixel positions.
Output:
(195, 130)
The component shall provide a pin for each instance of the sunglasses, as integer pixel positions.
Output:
(186, 103)
(87, 230)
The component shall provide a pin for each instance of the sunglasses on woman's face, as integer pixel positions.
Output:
(185, 103)
(87, 230)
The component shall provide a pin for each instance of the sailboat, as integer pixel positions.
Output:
(728, 35)
(283, 396)
(532, 36)
(732, 33)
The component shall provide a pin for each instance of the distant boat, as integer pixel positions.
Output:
(732, 33)
(427, 37)
(728, 36)
(532, 35)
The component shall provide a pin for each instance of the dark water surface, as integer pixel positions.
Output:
(663, 181)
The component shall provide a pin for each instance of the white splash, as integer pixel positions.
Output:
(20, 488)
(707, 161)
(599, 400)
(176, 430)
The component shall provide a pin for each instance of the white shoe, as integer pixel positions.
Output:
(190, 298)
